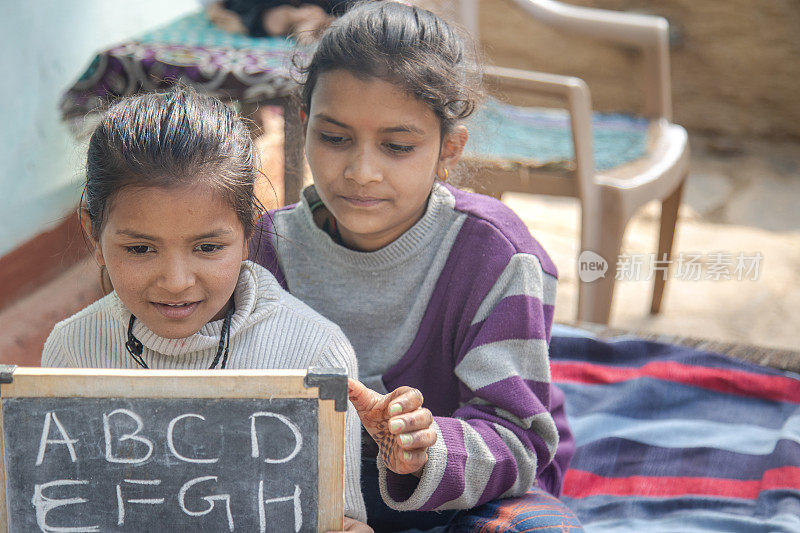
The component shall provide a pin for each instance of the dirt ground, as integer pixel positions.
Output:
(734, 204)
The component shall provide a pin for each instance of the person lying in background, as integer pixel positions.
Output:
(304, 20)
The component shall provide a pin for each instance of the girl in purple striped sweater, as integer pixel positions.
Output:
(439, 290)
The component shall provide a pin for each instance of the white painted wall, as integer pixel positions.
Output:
(44, 47)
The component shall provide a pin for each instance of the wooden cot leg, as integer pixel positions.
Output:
(262, 126)
(293, 140)
(494, 194)
(490, 188)
(249, 110)
(669, 218)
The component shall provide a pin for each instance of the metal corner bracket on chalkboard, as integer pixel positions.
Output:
(332, 384)
(7, 373)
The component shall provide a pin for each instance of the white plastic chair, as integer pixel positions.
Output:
(608, 198)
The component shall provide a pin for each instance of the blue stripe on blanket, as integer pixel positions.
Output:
(623, 458)
(692, 515)
(683, 401)
(682, 433)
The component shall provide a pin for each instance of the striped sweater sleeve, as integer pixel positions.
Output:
(502, 435)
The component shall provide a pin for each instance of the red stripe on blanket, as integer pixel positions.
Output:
(581, 484)
(776, 388)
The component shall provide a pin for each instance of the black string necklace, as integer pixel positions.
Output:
(135, 348)
(328, 224)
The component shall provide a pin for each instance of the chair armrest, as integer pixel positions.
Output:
(647, 33)
(631, 29)
(577, 97)
(539, 82)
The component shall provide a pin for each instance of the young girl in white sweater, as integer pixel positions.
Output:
(170, 207)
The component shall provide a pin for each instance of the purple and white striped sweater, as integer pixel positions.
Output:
(479, 356)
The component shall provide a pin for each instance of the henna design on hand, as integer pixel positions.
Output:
(386, 443)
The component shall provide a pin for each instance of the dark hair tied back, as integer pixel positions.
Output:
(169, 140)
(404, 45)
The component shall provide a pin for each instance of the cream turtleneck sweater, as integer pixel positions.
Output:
(269, 329)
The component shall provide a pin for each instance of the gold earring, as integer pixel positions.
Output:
(446, 173)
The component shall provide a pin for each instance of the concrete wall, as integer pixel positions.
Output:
(46, 45)
(735, 67)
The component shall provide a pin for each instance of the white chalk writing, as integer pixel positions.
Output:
(210, 499)
(262, 512)
(110, 457)
(298, 437)
(44, 505)
(146, 501)
(171, 442)
(46, 440)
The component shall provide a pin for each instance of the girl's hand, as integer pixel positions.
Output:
(225, 19)
(354, 525)
(309, 22)
(398, 423)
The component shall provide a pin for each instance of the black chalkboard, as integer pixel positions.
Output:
(143, 463)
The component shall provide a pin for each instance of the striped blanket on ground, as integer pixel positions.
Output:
(674, 439)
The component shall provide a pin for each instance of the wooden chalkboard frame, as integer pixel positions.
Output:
(329, 386)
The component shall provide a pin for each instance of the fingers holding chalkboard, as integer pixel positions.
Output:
(365, 400)
(398, 423)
